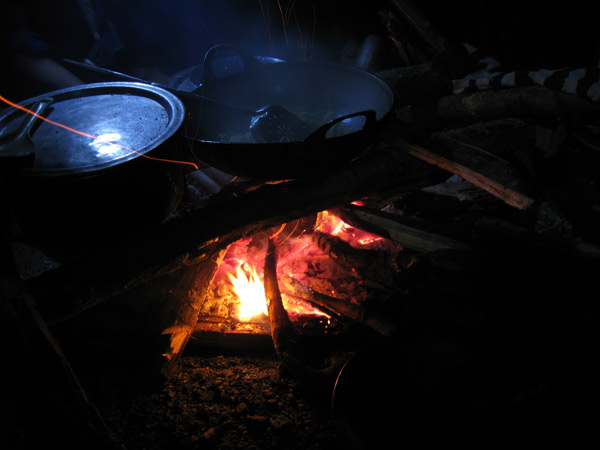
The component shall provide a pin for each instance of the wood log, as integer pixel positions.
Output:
(480, 168)
(398, 229)
(527, 101)
(181, 313)
(379, 319)
(501, 137)
(373, 266)
(283, 332)
(85, 282)
(520, 102)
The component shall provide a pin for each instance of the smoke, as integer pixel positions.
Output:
(175, 34)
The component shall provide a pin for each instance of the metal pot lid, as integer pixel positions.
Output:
(102, 125)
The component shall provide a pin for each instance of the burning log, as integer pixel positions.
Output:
(283, 332)
(398, 229)
(379, 268)
(326, 303)
(380, 320)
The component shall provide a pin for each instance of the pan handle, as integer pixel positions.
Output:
(234, 62)
(17, 146)
(320, 133)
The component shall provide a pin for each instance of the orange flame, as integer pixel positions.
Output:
(91, 136)
(250, 291)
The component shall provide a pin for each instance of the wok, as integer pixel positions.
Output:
(344, 108)
(107, 181)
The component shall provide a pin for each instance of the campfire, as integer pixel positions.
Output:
(316, 273)
(465, 237)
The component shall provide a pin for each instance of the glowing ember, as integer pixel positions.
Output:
(250, 290)
(328, 223)
(238, 291)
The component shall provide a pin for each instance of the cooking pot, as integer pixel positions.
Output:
(346, 105)
(100, 169)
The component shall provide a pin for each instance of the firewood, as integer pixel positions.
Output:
(502, 137)
(527, 101)
(219, 333)
(480, 168)
(283, 332)
(373, 266)
(182, 314)
(329, 305)
(396, 228)
(378, 319)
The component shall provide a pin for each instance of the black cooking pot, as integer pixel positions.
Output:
(345, 104)
(103, 177)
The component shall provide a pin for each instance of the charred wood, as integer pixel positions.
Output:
(399, 229)
(283, 332)
(181, 315)
(326, 303)
(380, 319)
(216, 334)
(376, 267)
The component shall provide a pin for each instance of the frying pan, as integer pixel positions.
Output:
(348, 107)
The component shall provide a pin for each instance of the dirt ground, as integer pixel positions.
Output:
(225, 402)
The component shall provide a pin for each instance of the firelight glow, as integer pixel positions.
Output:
(250, 291)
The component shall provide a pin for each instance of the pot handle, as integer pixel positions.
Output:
(18, 146)
(234, 63)
(319, 133)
